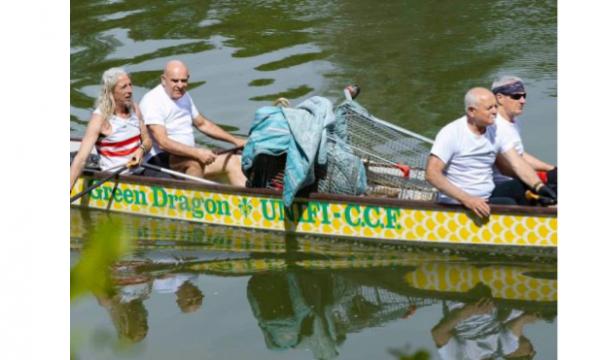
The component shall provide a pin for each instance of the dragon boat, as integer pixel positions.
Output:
(399, 207)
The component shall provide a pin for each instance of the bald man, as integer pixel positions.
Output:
(461, 160)
(170, 114)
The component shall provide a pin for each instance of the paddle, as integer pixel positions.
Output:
(100, 182)
(178, 174)
(225, 151)
(542, 200)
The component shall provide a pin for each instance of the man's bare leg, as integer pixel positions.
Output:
(229, 164)
(186, 165)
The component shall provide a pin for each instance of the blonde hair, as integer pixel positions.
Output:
(106, 101)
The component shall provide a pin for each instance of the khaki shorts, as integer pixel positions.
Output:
(186, 165)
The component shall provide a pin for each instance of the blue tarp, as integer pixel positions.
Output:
(300, 132)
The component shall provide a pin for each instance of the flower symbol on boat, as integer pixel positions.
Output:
(245, 207)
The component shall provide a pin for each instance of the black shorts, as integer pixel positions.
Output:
(161, 160)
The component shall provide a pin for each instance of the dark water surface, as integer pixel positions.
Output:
(414, 59)
(190, 291)
(186, 292)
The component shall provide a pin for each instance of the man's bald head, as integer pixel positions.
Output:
(175, 79)
(475, 95)
(480, 107)
(174, 66)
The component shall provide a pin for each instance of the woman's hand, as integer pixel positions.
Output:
(136, 159)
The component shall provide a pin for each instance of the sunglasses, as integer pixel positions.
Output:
(517, 96)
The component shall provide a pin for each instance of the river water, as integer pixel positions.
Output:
(414, 60)
(193, 291)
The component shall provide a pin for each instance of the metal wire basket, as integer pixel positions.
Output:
(394, 158)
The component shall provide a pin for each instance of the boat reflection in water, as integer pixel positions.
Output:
(316, 310)
(310, 293)
(125, 303)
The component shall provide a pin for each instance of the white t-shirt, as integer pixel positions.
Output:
(176, 116)
(511, 132)
(469, 158)
(118, 147)
(480, 336)
(491, 346)
(171, 283)
(131, 292)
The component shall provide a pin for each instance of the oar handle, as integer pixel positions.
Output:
(542, 200)
(530, 195)
(178, 174)
(225, 151)
(102, 181)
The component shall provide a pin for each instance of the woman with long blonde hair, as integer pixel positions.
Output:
(116, 127)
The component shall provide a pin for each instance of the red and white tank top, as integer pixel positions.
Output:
(118, 147)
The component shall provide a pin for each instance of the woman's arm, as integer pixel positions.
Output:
(146, 139)
(138, 155)
(89, 139)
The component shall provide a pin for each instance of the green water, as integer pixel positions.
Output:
(194, 291)
(414, 61)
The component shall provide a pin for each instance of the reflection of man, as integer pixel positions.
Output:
(189, 297)
(133, 287)
(476, 331)
(130, 318)
(126, 307)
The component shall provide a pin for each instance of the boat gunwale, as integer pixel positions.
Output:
(360, 200)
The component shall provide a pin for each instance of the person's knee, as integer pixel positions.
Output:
(234, 163)
(194, 169)
(187, 166)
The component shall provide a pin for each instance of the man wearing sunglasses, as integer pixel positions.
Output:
(511, 98)
(460, 164)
